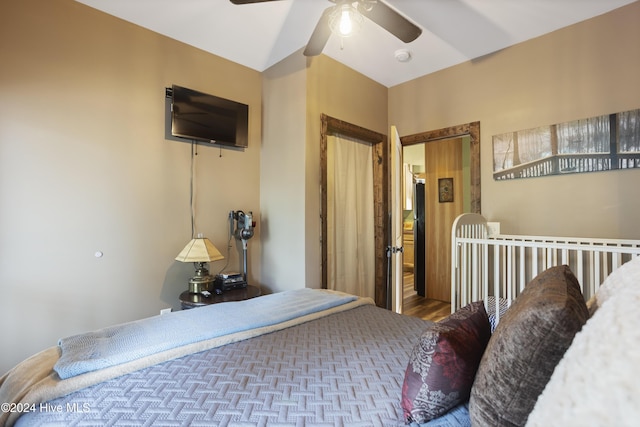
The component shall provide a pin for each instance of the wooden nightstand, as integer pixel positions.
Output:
(189, 300)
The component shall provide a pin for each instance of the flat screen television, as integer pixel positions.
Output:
(208, 118)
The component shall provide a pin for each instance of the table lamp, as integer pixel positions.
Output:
(200, 251)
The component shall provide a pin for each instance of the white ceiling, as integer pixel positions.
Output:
(262, 34)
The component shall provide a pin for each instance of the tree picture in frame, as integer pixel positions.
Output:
(601, 143)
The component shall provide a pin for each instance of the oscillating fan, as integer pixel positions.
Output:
(374, 10)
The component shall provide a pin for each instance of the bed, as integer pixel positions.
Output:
(339, 360)
(534, 355)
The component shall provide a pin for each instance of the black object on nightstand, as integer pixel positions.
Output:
(192, 300)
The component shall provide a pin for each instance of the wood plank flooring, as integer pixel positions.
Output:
(414, 305)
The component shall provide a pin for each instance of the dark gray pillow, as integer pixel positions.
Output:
(525, 348)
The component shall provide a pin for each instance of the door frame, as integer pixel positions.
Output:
(330, 126)
(472, 130)
(468, 129)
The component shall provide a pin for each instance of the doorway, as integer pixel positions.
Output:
(380, 153)
(448, 170)
(349, 215)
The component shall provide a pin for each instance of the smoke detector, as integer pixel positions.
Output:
(403, 55)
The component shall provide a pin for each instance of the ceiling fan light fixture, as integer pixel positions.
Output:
(345, 20)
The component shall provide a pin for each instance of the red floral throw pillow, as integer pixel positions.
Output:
(443, 364)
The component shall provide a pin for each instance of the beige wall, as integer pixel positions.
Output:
(296, 92)
(85, 167)
(282, 175)
(339, 92)
(585, 70)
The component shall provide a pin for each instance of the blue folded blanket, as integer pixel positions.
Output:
(130, 341)
(458, 416)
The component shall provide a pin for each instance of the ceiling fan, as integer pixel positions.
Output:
(332, 20)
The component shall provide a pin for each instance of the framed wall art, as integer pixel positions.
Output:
(602, 143)
(445, 190)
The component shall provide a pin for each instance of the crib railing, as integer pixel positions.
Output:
(502, 265)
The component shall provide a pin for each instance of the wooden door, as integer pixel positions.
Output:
(444, 201)
(395, 248)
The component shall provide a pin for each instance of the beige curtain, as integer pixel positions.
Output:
(350, 220)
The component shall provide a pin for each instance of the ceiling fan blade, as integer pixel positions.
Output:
(391, 21)
(249, 1)
(320, 35)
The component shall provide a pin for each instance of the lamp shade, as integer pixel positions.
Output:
(199, 250)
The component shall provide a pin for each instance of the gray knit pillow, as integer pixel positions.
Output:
(525, 348)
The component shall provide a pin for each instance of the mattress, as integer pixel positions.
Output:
(343, 369)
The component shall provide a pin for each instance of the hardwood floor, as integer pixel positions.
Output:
(414, 305)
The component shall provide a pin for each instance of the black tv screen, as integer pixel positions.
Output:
(199, 116)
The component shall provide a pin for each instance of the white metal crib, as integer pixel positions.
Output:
(501, 265)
